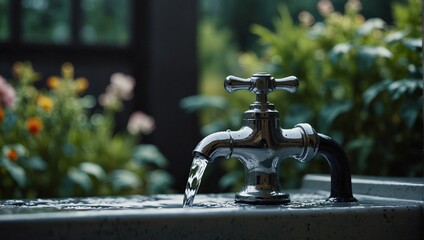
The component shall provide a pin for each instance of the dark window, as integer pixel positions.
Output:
(4, 20)
(64, 22)
(45, 21)
(105, 22)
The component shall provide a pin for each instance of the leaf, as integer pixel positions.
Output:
(149, 154)
(80, 178)
(266, 36)
(338, 51)
(87, 101)
(395, 36)
(317, 30)
(68, 149)
(236, 117)
(370, 25)
(396, 89)
(36, 163)
(363, 146)
(214, 126)
(330, 112)
(230, 179)
(15, 171)
(410, 110)
(368, 54)
(10, 120)
(374, 52)
(414, 44)
(401, 87)
(93, 170)
(123, 179)
(195, 103)
(297, 113)
(369, 95)
(159, 181)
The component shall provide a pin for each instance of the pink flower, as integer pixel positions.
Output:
(110, 101)
(120, 88)
(140, 122)
(325, 7)
(122, 85)
(7, 94)
(306, 18)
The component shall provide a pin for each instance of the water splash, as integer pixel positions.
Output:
(194, 179)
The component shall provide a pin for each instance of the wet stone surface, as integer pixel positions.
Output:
(308, 216)
(91, 203)
(299, 200)
(17, 206)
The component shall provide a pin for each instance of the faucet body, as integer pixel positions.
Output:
(261, 143)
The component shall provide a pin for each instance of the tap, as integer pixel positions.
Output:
(260, 145)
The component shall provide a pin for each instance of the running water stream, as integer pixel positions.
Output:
(194, 179)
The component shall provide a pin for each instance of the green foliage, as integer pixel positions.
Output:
(360, 82)
(216, 55)
(214, 107)
(52, 146)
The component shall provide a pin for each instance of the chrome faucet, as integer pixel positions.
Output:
(261, 144)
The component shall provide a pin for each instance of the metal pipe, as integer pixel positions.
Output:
(341, 185)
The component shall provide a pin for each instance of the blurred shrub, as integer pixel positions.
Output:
(360, 82)
(52, 146)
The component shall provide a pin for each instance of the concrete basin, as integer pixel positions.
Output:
(386, 209)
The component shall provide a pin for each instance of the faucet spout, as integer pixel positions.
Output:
(221, 144)
(215, 145)
(341, 185)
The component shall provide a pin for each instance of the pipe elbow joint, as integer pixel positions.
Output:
(310, 142)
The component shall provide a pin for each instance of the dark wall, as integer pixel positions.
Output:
(172, 75)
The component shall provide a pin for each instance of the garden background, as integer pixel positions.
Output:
(359, 66)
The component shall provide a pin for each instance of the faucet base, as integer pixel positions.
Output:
(261, 198)
(262, 188)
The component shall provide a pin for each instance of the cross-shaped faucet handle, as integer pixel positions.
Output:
(261, 83)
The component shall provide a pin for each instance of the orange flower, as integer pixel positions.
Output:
(34, 125)
(1, 114)
(81, 84)
(53, 82)
(12, 154)
(67, 70)
(44, 102)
